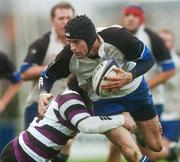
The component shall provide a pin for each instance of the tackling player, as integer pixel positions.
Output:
(66, 115)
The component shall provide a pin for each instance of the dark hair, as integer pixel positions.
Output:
(6, 66)
(81, 27)
(62, 5)
(72, 84)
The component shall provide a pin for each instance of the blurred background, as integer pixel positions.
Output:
(23, 21)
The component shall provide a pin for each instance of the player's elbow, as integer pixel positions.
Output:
(84, 128)
(25, 76)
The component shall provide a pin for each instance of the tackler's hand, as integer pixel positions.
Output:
(129, 122)
(42, 103)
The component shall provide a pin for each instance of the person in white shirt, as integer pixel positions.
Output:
(40, 53)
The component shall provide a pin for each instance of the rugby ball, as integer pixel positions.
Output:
(103, 69)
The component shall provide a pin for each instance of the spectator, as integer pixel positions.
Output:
(40, 53)
(7, 71)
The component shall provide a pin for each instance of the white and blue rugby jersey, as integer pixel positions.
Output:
(117, 43)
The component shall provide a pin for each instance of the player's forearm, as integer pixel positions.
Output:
(10, 93)
(100, 124)
(33, 72)
(161, 78)
(142, 67)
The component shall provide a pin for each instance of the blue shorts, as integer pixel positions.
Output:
(160, 109)
(30, 112)
(138, 103)
(171, 130)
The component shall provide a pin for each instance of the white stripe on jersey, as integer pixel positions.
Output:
(142, 53)
(78, 117)
(68, 103)
(43, 139)
(31, 153)
(56, 125)
(103, 28)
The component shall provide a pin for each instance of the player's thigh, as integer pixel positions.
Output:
(123, 139)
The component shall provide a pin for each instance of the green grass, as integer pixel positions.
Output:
(86, 160)
(91, 160)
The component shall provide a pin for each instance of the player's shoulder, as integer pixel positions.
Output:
(112, 31)
(69, 95)
(69, 98)
(116, 35)
(44, 39)
(108, 28)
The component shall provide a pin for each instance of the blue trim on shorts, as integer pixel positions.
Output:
(139, 104)
(160, 109)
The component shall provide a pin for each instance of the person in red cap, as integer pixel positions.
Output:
(133, 18)
(164, 69)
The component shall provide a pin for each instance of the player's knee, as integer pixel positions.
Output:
(155, 145)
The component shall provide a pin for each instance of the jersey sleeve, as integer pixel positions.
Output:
(36, 53)
(160, 52)
(132, 48)
(77, 113)
(73, 109)
(129, 45)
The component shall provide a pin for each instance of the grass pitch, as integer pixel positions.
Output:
(100, 160)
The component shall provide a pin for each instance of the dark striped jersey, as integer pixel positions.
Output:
(44, 138)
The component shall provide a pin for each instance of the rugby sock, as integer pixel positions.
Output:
(60, 158)
(144, 159)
